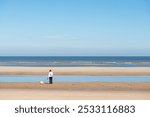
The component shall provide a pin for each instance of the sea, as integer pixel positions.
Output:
(75, 61)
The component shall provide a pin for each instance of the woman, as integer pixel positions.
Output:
(50, 76)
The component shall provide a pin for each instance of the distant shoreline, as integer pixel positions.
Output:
(85, 71)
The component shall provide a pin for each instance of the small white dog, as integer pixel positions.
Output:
(41, 82)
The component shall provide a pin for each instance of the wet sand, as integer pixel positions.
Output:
(74, 90)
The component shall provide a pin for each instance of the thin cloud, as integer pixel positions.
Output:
(54, 37)
(59, 37)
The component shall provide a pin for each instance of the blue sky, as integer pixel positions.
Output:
(75, 27)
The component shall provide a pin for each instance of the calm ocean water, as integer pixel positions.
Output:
(77, 61)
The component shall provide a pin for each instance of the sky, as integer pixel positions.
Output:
(74, 27)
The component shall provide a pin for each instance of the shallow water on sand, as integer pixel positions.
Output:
(76, 78)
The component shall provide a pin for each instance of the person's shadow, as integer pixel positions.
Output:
(47, 83)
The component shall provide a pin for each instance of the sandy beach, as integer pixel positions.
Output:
(72, 90)
(76, 90)
(92, 71)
